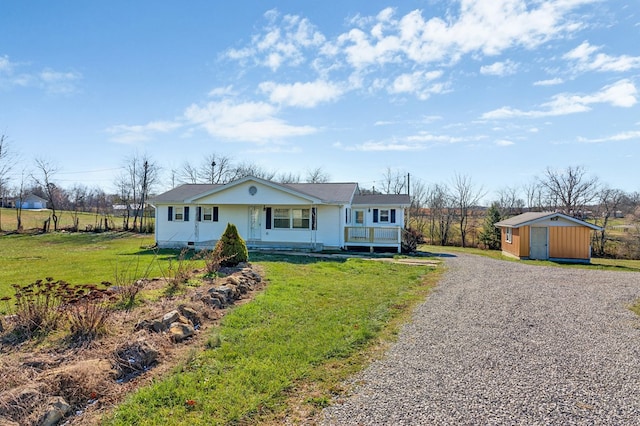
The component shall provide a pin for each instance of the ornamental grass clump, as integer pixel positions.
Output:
(231, 246)
(88, 316)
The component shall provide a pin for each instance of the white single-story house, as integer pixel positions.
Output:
(547, 236)
(31, 202)
(313, 216)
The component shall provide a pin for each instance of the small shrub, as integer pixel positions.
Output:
(411, 237)
(214, 341)
(39, 306)
(232, 247)
(213, 260)
(179, 272)
(128, 293)
(88, 318)
(128, 284)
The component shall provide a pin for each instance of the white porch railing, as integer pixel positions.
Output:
(390, 235)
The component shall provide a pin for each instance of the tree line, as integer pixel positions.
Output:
(445, 213)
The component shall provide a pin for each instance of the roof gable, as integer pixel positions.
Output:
(531, 218)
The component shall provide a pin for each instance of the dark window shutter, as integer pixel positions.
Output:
(170, 210)
(199, 214)
(375, 215)
(393, 215)
(186, 214)
(215, 214)
(314, 218)
(346, 215)
(268, 218)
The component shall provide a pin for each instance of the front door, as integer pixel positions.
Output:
(255, 231)
(539, 247)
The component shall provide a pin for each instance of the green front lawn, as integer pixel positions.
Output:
(306, 330)
(78, 258)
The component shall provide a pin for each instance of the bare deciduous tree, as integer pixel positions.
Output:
(250, 169)
(317, 175)
(288, 178)
(20, 194)
(510, 204)
(44, 176)
(188, 173)
(534, 201)
(6, 164)
(215, 169)
(465, 197)
(609, 201)
(394, 182)
(141, 174)
(570, 189)
(441, 212)
(419, 200)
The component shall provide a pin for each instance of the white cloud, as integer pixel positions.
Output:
(283, 41)
(304, 95)
(428, 137)
(504, 142)
(623, 136)
(13, 74)
(550, 82)
(221, 92)
(500, 69)
(379, 146)
(410, 42)
(586, 59)
(140, 133)
(6, 66)
(59, 82)
(622, 94)
(249, 121)
(418, 83)
(482, 26)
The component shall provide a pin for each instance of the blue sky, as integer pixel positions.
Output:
(494, 89)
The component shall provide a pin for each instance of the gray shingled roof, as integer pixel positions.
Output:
(528, 218)
(334, 193)
(183, 192)
(331, 193)
(382, 199)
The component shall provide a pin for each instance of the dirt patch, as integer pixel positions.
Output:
(92, 378)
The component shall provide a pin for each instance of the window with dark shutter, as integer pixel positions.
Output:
(375, 215)
(215, 214)
(393, 215)
(186, 214)
(199, 214)
(268, 225)
(170, 210)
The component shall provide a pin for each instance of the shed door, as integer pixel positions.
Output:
(539, 238)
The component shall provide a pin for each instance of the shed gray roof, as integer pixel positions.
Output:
(529, 218)
(382, 199)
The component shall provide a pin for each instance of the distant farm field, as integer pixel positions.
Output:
(78, 258)
(34, 219)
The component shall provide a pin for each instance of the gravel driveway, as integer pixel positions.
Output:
(508, 343)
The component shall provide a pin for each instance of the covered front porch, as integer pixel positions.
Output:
(373, 236)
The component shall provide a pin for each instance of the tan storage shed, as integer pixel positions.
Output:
(547, 236)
